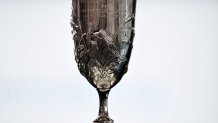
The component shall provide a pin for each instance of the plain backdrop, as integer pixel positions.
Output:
(172, 76)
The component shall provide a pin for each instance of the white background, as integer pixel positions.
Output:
(172, 77)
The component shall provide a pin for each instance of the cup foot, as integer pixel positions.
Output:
(103, 122)
(103, 119)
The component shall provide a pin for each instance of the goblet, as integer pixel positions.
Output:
(103, 32)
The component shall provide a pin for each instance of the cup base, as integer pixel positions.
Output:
(103, 119)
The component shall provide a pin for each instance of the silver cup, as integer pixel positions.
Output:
(103, 32)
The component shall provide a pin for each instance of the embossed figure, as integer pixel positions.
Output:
(103, 32)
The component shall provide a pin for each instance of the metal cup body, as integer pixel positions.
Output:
(103, 32)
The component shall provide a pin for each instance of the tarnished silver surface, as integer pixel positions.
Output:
(103, 32)
(103, 35)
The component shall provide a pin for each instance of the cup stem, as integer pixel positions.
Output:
(103, 100)
(103, 116)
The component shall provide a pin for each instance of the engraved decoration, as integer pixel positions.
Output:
(103, 32)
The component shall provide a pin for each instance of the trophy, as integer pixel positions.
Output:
(103, 32)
